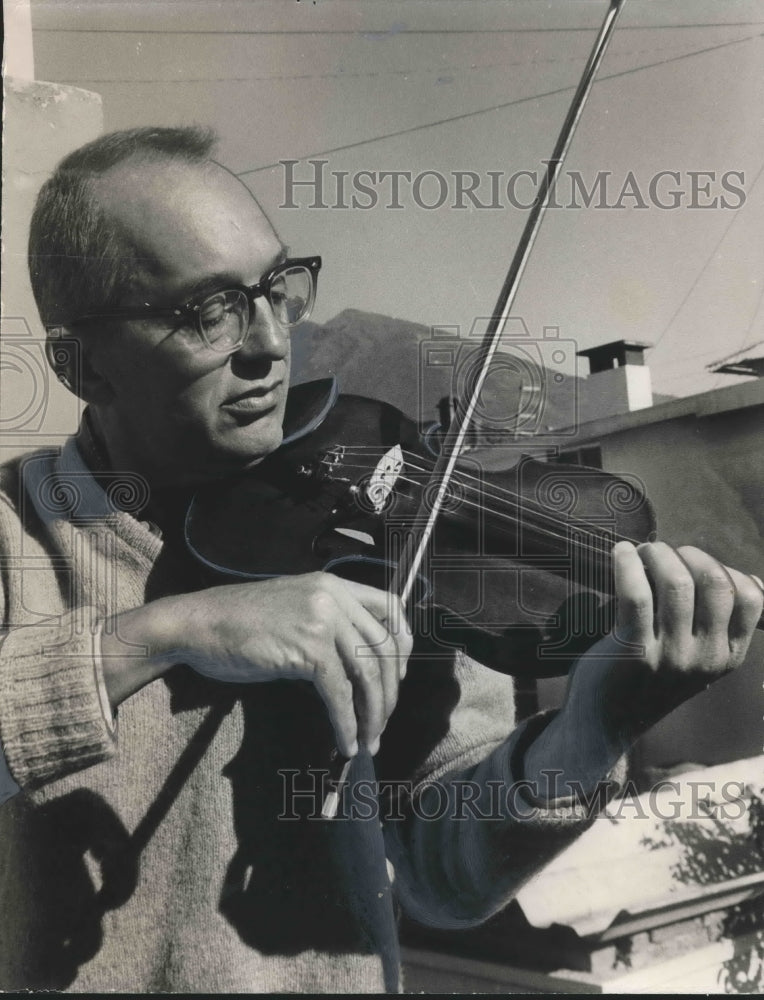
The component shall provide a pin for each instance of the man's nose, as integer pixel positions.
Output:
(265, 337)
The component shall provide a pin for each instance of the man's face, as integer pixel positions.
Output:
(174, 409)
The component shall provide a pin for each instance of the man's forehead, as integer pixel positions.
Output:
(185, 213)
(138, 190)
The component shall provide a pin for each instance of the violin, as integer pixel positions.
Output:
(518, 572)
(357, 491)
(364, 497)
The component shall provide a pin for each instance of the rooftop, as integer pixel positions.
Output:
(704, 404)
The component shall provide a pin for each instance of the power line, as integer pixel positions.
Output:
(748, 331)
(695, 357)
(749, 328)
(686, 376)
(343, 75)
(703, 269)
(503, 106)
(386, 33)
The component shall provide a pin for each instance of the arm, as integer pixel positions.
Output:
(314, 627)
(688, 621)
(53, 719)
(470, 835)
(683, 621)
(351, 641)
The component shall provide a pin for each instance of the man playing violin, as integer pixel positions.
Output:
(159, 854)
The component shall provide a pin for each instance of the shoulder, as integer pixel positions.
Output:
(16, 476)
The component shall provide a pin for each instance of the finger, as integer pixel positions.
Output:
(399, 630)
(380, 603)
(746, 611)
(674, 590)
(336, 691)
(362, 668)
(385, 609)
(382, 652)
(714, 593)
(634, 596)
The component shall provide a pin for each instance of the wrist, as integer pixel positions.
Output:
(139, 646)
(578, 748)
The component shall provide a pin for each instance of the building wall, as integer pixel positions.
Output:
(705, 476)
(42, 123)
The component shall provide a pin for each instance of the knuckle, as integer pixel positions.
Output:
(322, 583)
(736, 653)
(657, 549)
(715, 655)
(715, 578)
(678, 660)
(364, 668)
(321, 606)
(724, 657)
(679, 586)
(319, 627)
(636, 601)
(329, 681)
(646, 552)
(390, 644)
(659, 546)
(750, 595)
(690, 552)
(709, 660)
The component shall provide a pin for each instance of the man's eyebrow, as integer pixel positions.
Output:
(209, 283)
(221, 279)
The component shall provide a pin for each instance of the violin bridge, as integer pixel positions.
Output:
(382, 481)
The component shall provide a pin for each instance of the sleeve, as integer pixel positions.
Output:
(54, 715)
(8, 787)
(473, 831)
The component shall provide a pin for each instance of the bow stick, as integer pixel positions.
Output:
(418, 537)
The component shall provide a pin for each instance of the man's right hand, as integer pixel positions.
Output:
(350, 640)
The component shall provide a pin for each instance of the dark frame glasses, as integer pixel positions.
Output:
(194, 309)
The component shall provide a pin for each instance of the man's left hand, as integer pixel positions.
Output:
(683, 621)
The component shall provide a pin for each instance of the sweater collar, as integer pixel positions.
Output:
(65, 486)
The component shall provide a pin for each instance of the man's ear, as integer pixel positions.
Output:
(68, 357)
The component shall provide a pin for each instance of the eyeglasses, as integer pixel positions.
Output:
(222, 318)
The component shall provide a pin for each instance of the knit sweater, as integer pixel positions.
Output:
(176, 852)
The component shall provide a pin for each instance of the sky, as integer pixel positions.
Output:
(445, 89)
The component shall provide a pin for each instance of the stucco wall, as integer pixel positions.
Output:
(43, 122)
(705, 476)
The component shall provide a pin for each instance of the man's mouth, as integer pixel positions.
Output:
(255, 401)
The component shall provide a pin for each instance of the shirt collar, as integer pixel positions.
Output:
(77, 484)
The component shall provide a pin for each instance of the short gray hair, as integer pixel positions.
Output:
(79, 261)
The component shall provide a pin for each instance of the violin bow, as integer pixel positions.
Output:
(417, 537)
(429, 510)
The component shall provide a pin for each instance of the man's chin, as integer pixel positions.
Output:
(212, 453)
(246, 450)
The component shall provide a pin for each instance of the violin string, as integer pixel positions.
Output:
(512, 499)
(599, 553)
(575, 545)
(569, 539)
(495, 492)
(528, 511)
(499, 493)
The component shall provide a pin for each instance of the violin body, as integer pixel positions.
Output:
(517, 573)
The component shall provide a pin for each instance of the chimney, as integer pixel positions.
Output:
(618, 382)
